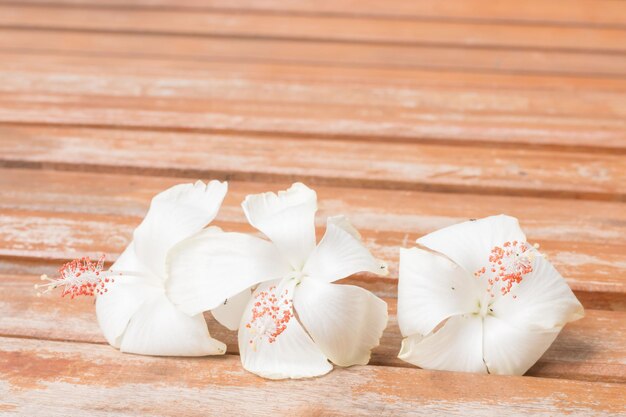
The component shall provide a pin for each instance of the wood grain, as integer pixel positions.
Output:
(43, 235)
(118, 194)
(567, 12)
(585, 350)
(365, 164)
(407, 116)
(285, 119)
(314, 27)
(66, 215)
(578, 114)
(160, 80)
(98, 378)
(366, 78)
(315, 52)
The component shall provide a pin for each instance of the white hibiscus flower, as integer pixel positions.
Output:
(133, 309)
(296, 320)
(476, 297)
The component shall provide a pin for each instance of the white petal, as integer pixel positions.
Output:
(292, 353)
(512, 351)
(432, 288)
(124, 296)
(288, 219)
(159, 328)
(341, 253)
(175, 214)
(115, 308)
(543, 300)
(230, 312)
(345, 321)
(470, 243)
(129, 261)
(210, 267)
(457, 346)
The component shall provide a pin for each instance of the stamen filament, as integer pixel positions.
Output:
(508, 266)
(81, 277)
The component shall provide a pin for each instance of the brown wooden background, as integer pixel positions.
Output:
(405, 115)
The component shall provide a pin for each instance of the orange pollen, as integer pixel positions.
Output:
(508, 265)
(79, 277)
(270, 315)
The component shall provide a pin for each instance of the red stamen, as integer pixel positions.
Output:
(508, 264)
(78, 277)
(270, 315)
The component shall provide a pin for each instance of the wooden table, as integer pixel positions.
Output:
(405, 115)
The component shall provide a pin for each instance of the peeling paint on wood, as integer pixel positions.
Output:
(406, 116)
(593, 348)
(100, 378)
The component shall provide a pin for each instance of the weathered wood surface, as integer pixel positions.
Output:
(91, 379)
(325, 27)
(582, 12)
(585, 350)
(425, 91)
(55, 219)
(293, 99)
(546, 109)
(378, 164)
(405, 115)
(315, 52)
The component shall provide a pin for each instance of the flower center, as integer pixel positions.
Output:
(271, 313)
(79, 277)
(298, 276)
(484, 308)
(508, 264)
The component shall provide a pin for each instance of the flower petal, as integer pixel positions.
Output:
(432, 288)
(175, 214)
(124, 296)
(345, 321)
(457, 346)
(210, 267)
(542, 300)
(115, 308)
(469, 243)
(287, 219)
(341, 253)
(230, 312)
(277, 347)
(159, 328)
(512, 351)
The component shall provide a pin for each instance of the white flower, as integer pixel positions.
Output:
(296, 319)
(133, 309)
(476, 297)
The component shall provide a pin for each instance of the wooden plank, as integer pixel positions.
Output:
(347, 122)
(40, 376)
(572, 116)
(592, 299)
(567, 12)
(585, 350)
(43, 235)
(366, 78)
(315, 53)
(585, 105)
(423, 106)
(330, 121)
(312, 27)
(66, 215)
(128, 196)
(409, 166)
